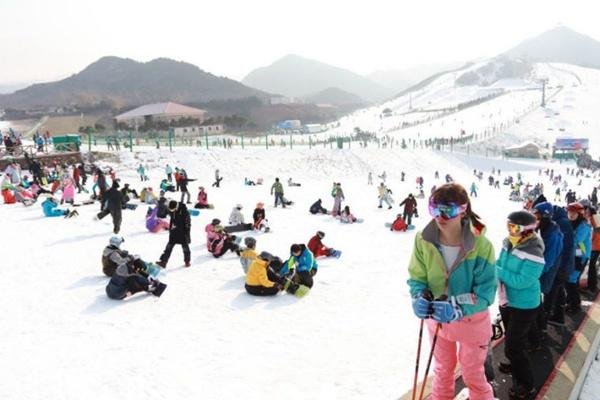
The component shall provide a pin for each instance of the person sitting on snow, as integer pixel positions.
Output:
(260, 222)
(166, 186)
(222, 242)
(236, 220)
(347, 217)
(50, 207)
(147, 196)
(316, 246)
(153, 223)
(248, 182)
(257, 279)
(399, 224)
(113, 255)
(303, 262)
(130, 278)
(202, 199)
(317, 208)
(248, 254)
(210, 231)
(292, 183)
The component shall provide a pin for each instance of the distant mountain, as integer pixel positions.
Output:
(295, 76)
(398, 80)
(562, 45)
(123, 82)
(336, 97)
(496, 69)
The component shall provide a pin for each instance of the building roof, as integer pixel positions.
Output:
(522, 145)
(160, 109)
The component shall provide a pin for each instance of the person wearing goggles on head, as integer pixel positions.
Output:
(453, 262)
(519, 268)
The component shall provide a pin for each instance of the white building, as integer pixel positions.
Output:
(194, 131)
(160, 112)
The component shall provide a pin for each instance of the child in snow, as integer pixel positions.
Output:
(384, 195)
(236, 220)
(147, 196)
(153, 223)
(338, 197)
(316, 246)
(463, 282)
(303, 262)
(347, 217)
(260, 222)
(68, 195)
(277, 190)
(113, 255)
(317, 208)
(399, 224)
(519, 268)
(582, 232)
(129, 278)
(166, 186)
(248, 254)
(50, 207)
(222, 242)
(202, 199)
(257, 278)
(292, 183)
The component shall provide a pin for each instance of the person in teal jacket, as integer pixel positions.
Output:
(452, 283)
(303, 261)
(519, 268)
(50, 207)
(583, 250)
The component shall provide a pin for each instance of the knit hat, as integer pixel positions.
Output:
(321, 234)
(523, 217)
(215, 221)
(544, 209)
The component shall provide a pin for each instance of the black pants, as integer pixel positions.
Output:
(116, 217)
(279, 199)
(304, 278)
(517, 323)
(217, 182)
(573, 296)
(538, 327)
(592, 283)
(228, 245)
(407, 217)
(554, 301)
(169, 248)
(261, 290)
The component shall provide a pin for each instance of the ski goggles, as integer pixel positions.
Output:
(516, 229)
(446, 210)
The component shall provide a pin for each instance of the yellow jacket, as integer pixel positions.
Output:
(246, 257)
(257, 274)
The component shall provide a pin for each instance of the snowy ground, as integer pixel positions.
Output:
(353, 337)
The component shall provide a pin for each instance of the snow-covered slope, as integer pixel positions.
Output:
(352, 337)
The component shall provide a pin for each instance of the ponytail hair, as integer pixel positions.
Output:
(456, 193)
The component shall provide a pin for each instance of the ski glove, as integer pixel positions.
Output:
(422, 304)
(446, 311)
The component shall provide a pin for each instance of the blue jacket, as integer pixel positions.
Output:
(50, 209)
(304, 262)
(583, 240)
(567, 257)
(519, 269)
(553, 245)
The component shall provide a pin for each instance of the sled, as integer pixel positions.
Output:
(193, 212)
(408, 227)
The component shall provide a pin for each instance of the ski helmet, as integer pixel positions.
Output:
(116, 240)
(250, 242)
(523, 217)
(544, 209)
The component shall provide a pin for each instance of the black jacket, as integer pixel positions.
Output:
(180, 225)
(258, 214)
(113, 200)
(163, 209)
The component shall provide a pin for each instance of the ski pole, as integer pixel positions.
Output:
(414, 391)
(435, 335)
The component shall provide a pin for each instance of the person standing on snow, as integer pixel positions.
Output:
(338, 196)
(169, 172)
(179, 233)
(452, 276)
(473, 190)
(384, 195)
(410, 207)
(277, 189)
(370, 178)
(112, 203)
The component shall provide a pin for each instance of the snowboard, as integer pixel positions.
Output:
(296, 289)
(357, 221)
(336, 253)
(84, 203)
(238, 228)
(408, 227)
(129, 206)
(462, 395)
(159, 289)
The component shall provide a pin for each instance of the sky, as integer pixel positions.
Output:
(49, 40)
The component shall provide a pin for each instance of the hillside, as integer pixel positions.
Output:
(560, 45)
(296, 76)
(401, 79)
(120, 82)
(335, 96)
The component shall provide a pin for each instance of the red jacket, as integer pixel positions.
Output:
(317, 247)
(399, 225)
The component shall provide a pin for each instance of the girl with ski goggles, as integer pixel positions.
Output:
(517, 230)
(446, 211)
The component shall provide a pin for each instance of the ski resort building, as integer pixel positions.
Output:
(166, 112)
(523, 150)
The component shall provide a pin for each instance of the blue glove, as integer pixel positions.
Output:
(446, 311)
(422, 304)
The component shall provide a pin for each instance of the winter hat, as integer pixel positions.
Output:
(544, 209)
(162, 192)
(238, 206)
(116, 240)
(265, 255)
(250, 242)
(585, 203)
(321, 234)
(215, 221)
(523, 217)
(576, 207)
